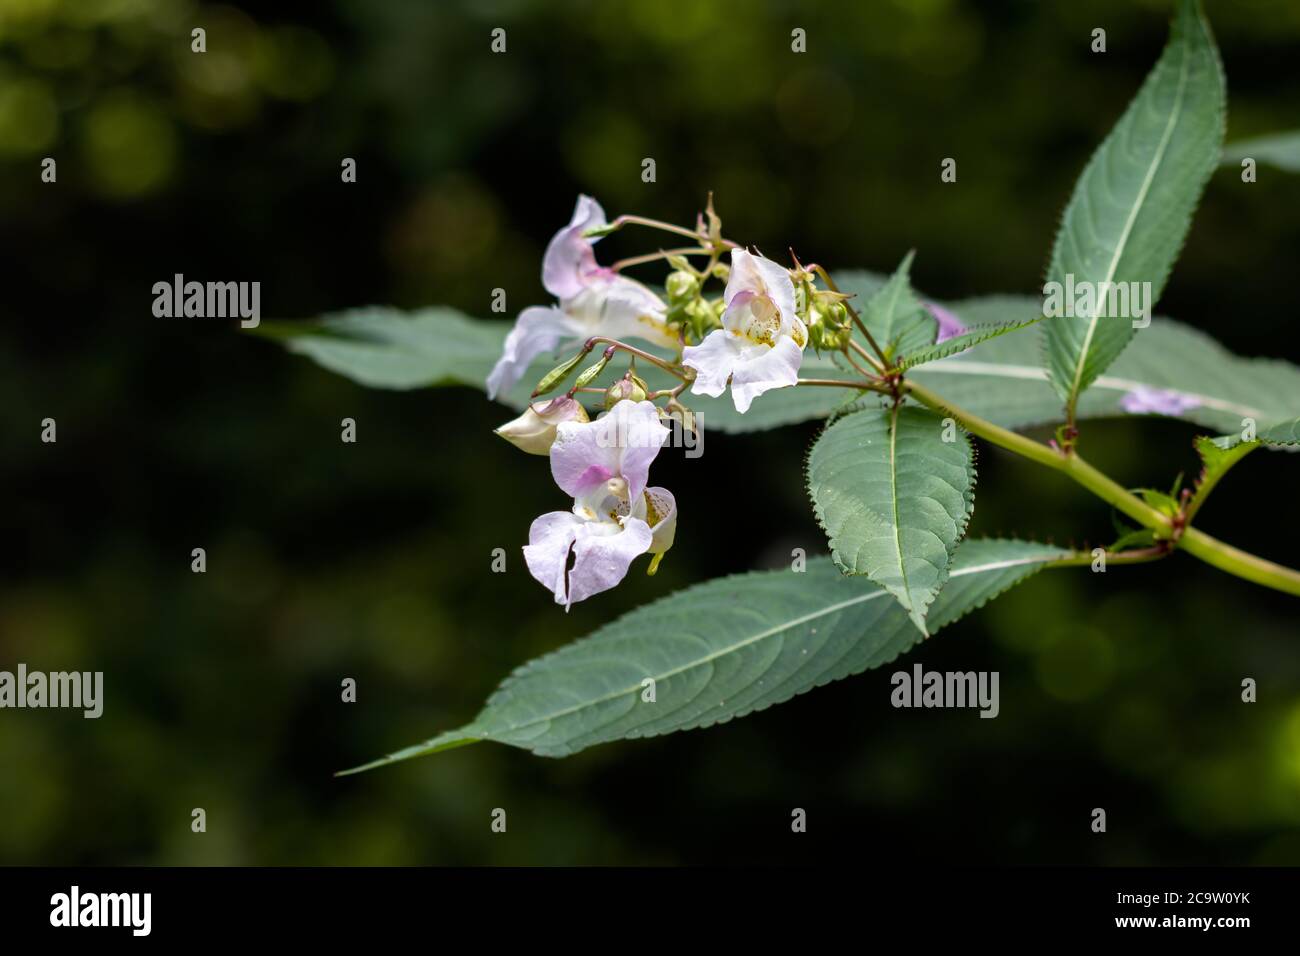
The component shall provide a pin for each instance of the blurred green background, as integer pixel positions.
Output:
(371, 561)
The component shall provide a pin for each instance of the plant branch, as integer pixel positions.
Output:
(1195, 542)
(876, 363)
(639, 353)
(862, 386)
(853, 313)
(1135, 556)
(1101, 485)
(1239, 563)
(653, 224)
(661, 254)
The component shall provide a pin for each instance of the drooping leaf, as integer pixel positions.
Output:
(1001, 380)
(1169, 366)
(1278, 149)
(894, 498)
(382, 347)
(1133, 204)
(895, 316)
(721, 650)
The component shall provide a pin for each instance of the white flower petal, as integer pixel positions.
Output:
(550, 539)
(539, 329)
(778, 367)
(760, 276)
(601, 559)
(620, 308)
(713, 361)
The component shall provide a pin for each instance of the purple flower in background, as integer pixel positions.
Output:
(1144, 400)
(949, 324)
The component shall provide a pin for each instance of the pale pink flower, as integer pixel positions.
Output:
(761, 342)
(594, 300)
(615, 518)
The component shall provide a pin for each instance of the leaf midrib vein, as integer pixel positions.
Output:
(755, 638)
(1006, 370)
(1174, 115)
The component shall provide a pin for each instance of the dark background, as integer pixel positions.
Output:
(371, 560)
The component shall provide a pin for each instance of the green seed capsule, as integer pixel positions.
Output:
(557, 375)
(589, 374)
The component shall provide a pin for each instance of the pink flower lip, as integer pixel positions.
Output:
(593, 476)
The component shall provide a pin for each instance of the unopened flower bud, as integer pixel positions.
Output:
(629, 388)
(534, 430)
(681, 285)
(676, 411)
(816, 314)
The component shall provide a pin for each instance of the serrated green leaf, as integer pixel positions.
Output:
(1133, 204)
(896, 318)
(1218, 455)
(1282, 434)
(1216, 460)
(1278, 149)
(962, 342)
(894, 498)
(722, 650)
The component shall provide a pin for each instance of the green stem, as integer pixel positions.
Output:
(1197, 543)
(639, 353)
(1138, 556)
(653, 224)
(1107, 489)
(1237, 562)
(1085, 474)
(656, 256)
(857, 319)
(863, 386)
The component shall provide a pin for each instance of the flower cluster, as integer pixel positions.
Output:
(750, 339)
